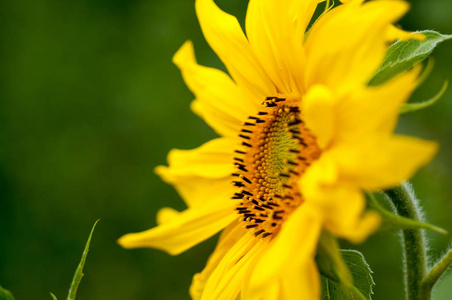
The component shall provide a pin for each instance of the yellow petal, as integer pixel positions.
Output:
(167, 214)
(275, 30)
(213, 159)
(301, 282)
(380, 162)
(347, 1)
(226, 281)
(196, 191)
(373, 110)
(224, 34)
(296, 282)
(272, 291)
(191, 227)
(318, 108)
(347, 45)
(219, 101)
(293, 247)
(341, 204)
(228, 238)
(200, 173)
(395, 33)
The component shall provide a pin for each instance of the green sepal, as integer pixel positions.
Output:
(5, 294)
(344, 273)
(393, 222)
(403, 55)
(79, 272)
(330, 261)
(411, 107)
(53, 296)
(362, 281)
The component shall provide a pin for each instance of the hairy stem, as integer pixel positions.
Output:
(435, 273)
(414, 242)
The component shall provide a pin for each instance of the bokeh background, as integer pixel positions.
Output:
(91, 103)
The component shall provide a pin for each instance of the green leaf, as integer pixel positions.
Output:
(410, 107)
(5, 294)
(361, 272)
(333, 290)
(362, 280)
(392, 222)
(79, 272)
(403, 55)
(53, 296)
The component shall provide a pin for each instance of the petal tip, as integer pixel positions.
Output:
(162, 171)
(185, 54)
(126, 241)
(369, 224)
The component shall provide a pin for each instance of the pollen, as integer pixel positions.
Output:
(276, 149)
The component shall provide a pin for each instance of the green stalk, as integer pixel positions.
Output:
(414, 242)
(435, 273)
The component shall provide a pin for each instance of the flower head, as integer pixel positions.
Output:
(302, 137)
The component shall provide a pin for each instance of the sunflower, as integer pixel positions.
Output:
(303, 137)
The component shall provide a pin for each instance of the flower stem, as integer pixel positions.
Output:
(414, 242)
(435, 273)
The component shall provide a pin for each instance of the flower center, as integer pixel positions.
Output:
(277, 149)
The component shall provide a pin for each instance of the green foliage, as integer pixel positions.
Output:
(411, 107)
(332, 289)
(403, 55)
(361, 272)
(79, 272)
(5, 294)
(330, 261)
(392, 222)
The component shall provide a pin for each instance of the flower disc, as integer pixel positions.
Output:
(278, 149)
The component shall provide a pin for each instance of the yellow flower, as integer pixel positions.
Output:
(302, 137)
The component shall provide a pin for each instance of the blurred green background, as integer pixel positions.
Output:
(91, 103)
